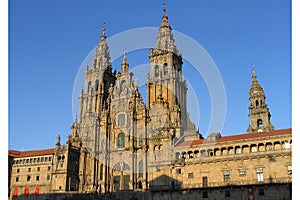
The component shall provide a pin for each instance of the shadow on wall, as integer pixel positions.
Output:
(259, 191)
(163, 183)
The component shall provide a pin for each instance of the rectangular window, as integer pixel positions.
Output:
(49, 168)
(227, 193)
(226, 176)
(37, 178)
(290, 169)
(28, 178)
(18, 170)
(205, 194)
(29, 169)
(48, 177)
(191, 175)
(242, 172)
(173, 184)
(261, 192)
(17, 179)
(259, 173)
(165, 69)
(178, 171)
(38, 169)
(204, 181)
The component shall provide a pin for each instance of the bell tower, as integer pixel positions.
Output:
(166, 88)
(259, 113)
(99, 78)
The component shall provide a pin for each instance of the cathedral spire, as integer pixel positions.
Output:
(165, 40)
(102, 56)
(258, 110)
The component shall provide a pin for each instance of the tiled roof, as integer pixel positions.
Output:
(20, 154)
(191, 143)
(255, 135)
(238, 137)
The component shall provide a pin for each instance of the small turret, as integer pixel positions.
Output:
(125, 64)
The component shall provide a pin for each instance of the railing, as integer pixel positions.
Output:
(237, 156)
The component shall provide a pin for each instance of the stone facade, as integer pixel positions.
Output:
(124, 147)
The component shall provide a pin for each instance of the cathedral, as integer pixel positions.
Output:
(124, 146)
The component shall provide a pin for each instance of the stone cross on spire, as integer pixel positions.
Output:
(103, 36)
(253, 74)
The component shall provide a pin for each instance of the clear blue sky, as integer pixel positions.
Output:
(49, 39)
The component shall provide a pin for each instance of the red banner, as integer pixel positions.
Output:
(16, 192)
(37, 191)
(26, 191)
(250, 194)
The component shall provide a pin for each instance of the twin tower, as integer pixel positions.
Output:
(123, 138)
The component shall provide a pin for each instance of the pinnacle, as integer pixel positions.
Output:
(165, 39)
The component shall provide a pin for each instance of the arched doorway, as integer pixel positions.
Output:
(121, 176)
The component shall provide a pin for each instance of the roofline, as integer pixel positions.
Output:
(244, 136)
(30, 153)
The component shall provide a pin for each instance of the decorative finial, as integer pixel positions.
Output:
(58, 140)
(103, 28)
(103, 32)
(124, 57)
(125, 63)
(253, 69)
(165, 22)
(253, 74)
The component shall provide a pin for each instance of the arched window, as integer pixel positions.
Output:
(121, 140)
(165, 69)
(101, 172)
(140, 169)
(156, 69)
(256, 103)
(141, 140)
(121, 120)
(260, 124)
(96, 85)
